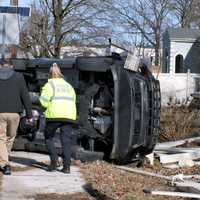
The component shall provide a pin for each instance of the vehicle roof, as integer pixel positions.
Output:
(100, 63)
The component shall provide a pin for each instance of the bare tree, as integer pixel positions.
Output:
(195, 13)
(184, 11)
(35, 36)
(142, 17)
(60, 22)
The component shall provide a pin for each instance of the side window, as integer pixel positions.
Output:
(179, 67)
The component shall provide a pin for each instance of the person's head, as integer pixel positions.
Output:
(55, 71)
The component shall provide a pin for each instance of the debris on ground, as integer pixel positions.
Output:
(180, 156)
(174, 194)
(113, 183)
(180, 181)
(174, 154)
(103, 181)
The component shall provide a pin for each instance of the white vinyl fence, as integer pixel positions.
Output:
(178, 87)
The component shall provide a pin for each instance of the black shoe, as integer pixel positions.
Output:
(66, 169)
(6, 170)
(53, 166)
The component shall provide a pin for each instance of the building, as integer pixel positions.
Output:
(181, 50)
(180, 75)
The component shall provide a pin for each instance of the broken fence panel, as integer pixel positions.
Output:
(184, 185)
(177, 150)
(174, 179)
(179, 164)
(175, 194)
(175, 143)
(188, 186)
(171, 158)
(142, 172)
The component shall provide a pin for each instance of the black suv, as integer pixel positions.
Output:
(118, 109)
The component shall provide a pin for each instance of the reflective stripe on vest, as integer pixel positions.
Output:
(44, 98)
(53, 87)
(63, 98)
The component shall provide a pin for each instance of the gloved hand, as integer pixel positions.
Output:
(29, 120)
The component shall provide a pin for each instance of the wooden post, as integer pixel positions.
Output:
(188, 84)
(13, 48)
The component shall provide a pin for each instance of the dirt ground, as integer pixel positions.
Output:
(112, 184)
(105, 182)
(77, 196)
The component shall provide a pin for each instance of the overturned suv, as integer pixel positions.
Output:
(118, 109)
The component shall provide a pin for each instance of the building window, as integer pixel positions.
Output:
(179, 64)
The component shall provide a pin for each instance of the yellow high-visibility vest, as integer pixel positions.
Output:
(59, 99)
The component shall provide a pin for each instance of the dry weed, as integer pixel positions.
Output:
(178, 122)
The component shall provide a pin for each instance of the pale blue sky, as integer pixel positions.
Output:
(21, 2)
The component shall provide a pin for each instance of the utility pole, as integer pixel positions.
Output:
(13, 48)
(3, 37)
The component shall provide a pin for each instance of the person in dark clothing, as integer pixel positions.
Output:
(14, 96)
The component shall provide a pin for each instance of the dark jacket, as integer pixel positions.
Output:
(13, 93)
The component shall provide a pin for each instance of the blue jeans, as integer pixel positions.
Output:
(65, 138)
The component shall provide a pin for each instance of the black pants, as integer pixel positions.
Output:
(65, 137)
